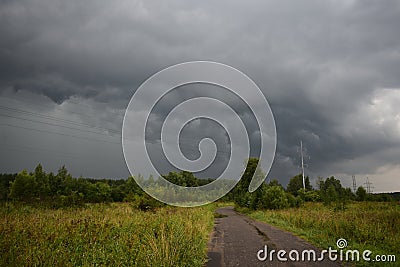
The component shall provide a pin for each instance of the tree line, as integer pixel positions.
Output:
(273, 195)
(63, 190)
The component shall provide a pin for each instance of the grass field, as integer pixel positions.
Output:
(104, 234)
(118, 235)
(365, 225)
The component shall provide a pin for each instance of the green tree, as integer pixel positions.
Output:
(24, 187)
(294, 202)
(103, 192)
(256, 199)
(275, 198)
(296, 183)
(131, 187)
(331, 190)
(66, 181)
(43, 186)
(241, 194)
(117, 193)
(330, 195)
(274, 182)
(189, 179)
(324, 185)
(5, 184)
(53, 184)
(361, 194)
(311, 196)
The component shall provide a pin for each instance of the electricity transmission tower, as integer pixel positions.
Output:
(354, 183)
(369, 186)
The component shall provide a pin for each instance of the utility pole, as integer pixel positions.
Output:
(354, 183)
(302, 164)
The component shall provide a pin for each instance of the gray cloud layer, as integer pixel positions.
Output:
(330, 70)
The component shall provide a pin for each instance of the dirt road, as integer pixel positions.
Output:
(237, 240)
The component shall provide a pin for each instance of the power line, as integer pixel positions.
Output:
(73, 128)
(41, 150)
(80, 137)
(88, 106)
(27, 128)
(58, 125)
(56, 118)
(118, 114)
(70, 135)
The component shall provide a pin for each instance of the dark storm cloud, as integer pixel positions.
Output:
(323, 66)
(200, 128)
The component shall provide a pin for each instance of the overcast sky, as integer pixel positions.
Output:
(329, 69)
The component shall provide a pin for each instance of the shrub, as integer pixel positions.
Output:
(294, 202)
(275, 198)
(310, 196)
(145, 203)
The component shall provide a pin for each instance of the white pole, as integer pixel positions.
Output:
(302, 164)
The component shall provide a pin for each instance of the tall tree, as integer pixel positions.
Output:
(241, 192)
(24, 187)
(296, 183)
(43, 186)
(361, 194)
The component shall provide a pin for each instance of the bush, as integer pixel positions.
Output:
(145, 203)
(310, 196)
(294, 202)
(75, 199)
(275, 198)
(23, 187)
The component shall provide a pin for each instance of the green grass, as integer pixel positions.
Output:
(365, 225)
(104, 235)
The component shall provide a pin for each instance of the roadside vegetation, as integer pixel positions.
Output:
(364, 225)
(322, 216)
(116, 234)
(273, 196)
(51, 219)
